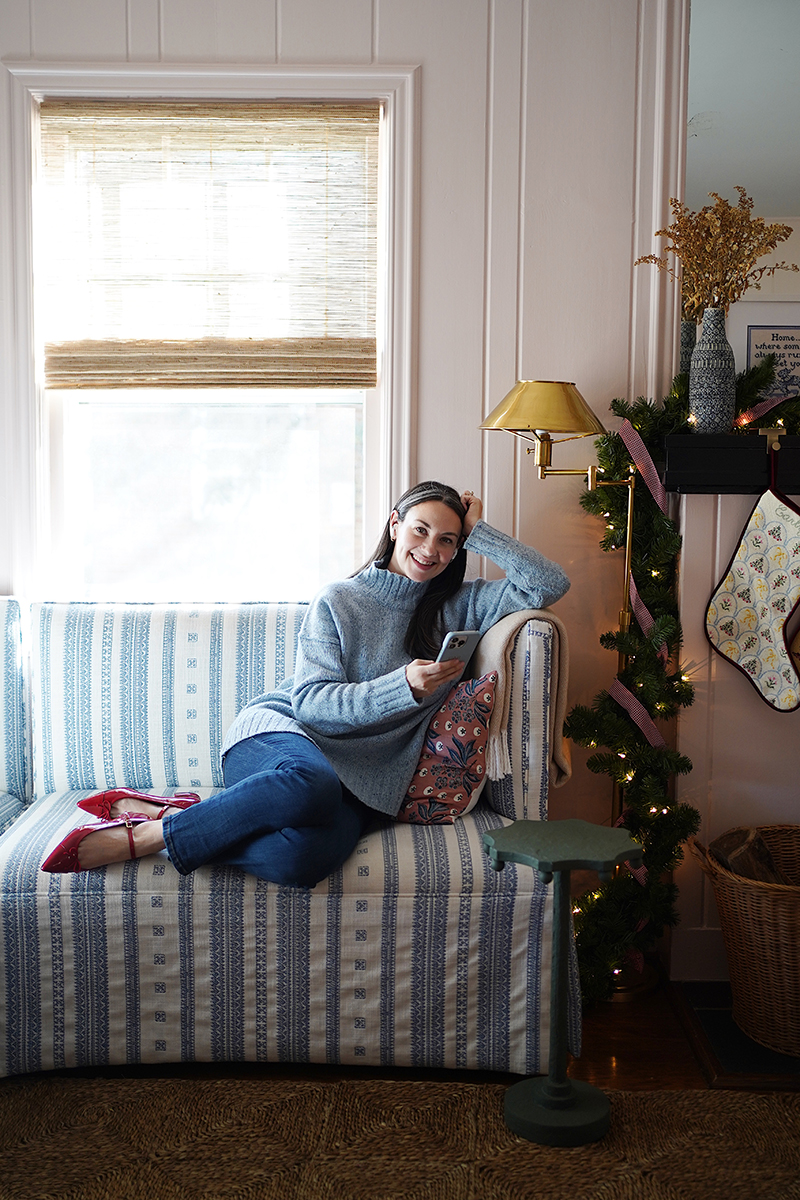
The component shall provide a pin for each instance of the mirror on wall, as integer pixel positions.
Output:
(744, 128)
(744, 103)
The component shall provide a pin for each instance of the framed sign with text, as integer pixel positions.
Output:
(784, 342)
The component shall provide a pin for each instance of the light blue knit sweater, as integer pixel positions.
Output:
(350, 694)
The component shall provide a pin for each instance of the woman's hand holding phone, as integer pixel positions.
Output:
(425, 676)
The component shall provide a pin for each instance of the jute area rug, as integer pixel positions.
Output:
(181, 1139)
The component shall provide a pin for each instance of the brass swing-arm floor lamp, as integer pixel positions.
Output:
(535, 409)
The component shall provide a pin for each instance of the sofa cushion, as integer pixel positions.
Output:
(451, 772)
(142, 695)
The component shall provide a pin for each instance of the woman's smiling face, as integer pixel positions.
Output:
(424, 541)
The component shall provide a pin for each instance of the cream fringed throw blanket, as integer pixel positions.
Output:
(494, 654)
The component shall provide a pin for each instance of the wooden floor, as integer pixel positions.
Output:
(637, 1045)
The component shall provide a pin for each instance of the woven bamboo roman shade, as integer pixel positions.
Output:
(207, 244)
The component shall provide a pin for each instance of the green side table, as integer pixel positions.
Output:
(555, 1110)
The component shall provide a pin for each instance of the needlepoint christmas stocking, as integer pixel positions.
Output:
(748, 612)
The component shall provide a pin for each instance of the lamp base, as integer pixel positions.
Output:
(585, 1120)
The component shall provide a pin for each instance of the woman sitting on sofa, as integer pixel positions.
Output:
(307, 765)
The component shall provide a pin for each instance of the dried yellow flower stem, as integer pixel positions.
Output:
(717, 249)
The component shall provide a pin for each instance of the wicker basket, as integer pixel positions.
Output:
(761, 930)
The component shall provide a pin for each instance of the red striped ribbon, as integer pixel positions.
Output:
(644, 463)
(759, 409)
(645, 618)
(647, 469)
(638, 873)
(635, 957)
(637, 711)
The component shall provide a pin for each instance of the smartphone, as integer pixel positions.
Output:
(459, 644)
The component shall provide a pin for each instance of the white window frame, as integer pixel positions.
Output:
(24, 423)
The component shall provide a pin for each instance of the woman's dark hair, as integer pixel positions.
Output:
(424, 633)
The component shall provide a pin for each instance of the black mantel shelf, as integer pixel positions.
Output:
(729, 463)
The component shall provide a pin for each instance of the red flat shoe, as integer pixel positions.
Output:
(100, 805)
(65, 856)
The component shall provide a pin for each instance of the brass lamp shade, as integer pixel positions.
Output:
(550, 405)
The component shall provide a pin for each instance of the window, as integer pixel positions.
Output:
(206, 277)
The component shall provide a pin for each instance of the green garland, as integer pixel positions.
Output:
(749, 386)
(617, 923)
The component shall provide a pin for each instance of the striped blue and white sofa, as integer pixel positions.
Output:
(415, 954)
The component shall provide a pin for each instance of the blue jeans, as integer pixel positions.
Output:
(284, 815)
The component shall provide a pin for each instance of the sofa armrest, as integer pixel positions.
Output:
(10, 808)
(528, 753)
(15, 776)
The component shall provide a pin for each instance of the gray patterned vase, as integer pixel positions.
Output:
(688, 342)
(712, 377)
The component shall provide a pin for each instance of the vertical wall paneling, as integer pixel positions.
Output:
(503, 213)
(22, 421)
(79, 30)
(8, 350)
(699, 521)
(219, 31)
(8, 449)
(189, 30)
(246, 31)
(746, 757)
(400, 333)
(144, 30)
(662, 83)
(578, 169)
(15, 30)
(337, 32)
(449, 42)
(602, 156)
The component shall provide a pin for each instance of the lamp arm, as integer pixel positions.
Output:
(542, 451)
(545, 437)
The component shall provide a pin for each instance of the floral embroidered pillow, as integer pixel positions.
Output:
(451, 770)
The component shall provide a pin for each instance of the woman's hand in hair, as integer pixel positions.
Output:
(425, 676)
(474, 507)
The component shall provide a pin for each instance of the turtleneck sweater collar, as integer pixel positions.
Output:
(390, 588)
